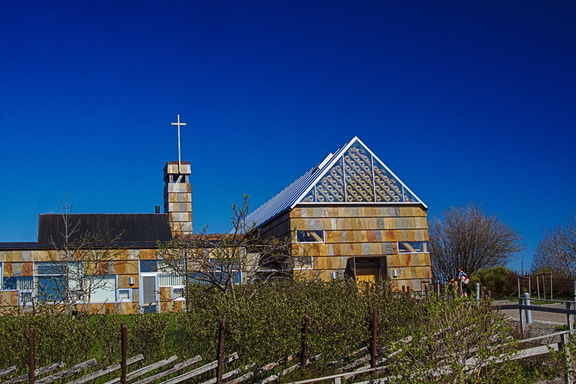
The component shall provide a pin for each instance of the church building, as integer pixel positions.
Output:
(348, 217)
(351, 216)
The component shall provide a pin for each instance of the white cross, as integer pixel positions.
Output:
(178, 123)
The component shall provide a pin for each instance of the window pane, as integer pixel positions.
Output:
(51, 288)
(124, 295)
(412, 246)
(103, 289)
(168, 280)
(310, 236)
(148, 265)
(51, 268)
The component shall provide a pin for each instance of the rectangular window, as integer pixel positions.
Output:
(177, 293)
(148, 265)
(52, 289)
(124, 295)
(304, 262)
(310, 236)
(412, 246)
(102, 288)
(169, 280)
(59, 281)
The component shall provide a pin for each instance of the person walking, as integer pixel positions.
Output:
(464, 281)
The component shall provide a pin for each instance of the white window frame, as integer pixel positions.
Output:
(118, 293)
(180, 298)
(113, 289)
(156, 289)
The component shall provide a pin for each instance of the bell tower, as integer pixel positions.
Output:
(178, 196)
(178, 192)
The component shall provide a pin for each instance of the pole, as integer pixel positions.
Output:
(304, 356)
(566, 348)
(124, 340)
(221, 341)
(374, 324)
(528, 312)
(32, 355)
(478, 292)
(538, 285)
(551, 286)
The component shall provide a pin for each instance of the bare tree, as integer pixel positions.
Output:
(227, 262)
(78, 267)
(468, 238)
(556, 251)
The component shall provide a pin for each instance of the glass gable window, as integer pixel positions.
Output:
(310, 236)
(359, 176)
(412, 246)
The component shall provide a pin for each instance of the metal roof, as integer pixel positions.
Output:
(346, 187)
(120, 228)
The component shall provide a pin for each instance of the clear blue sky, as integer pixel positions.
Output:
(466, 101)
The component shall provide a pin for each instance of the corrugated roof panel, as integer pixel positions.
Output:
(120, 227)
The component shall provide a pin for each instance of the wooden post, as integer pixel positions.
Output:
(221, 342)
(304, 355)
(32, 355)
(569, 318)
(124, 341)
(374, 326)
(568, 367)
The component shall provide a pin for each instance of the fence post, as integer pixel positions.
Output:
(374, 326)
(522, 321)
(221, 342)
(528, 312)
(477, 292)
(124, 341)
(569, 317)
(565, 348)
(304, 355)
(32, 355)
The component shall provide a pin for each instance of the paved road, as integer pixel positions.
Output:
(556, 318)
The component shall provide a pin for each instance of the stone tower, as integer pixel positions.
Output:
(178, 196)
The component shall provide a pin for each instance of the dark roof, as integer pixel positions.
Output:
(122, 228)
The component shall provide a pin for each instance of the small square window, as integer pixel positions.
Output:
(310, 236)
(178, 293)
(125, 295)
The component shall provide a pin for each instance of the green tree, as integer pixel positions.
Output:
(499, 280)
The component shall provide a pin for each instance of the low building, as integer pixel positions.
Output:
(101, 262)
(348, 217)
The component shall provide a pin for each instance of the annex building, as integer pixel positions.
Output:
(349, 216)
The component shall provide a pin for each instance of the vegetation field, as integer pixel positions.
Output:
(265, 323)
